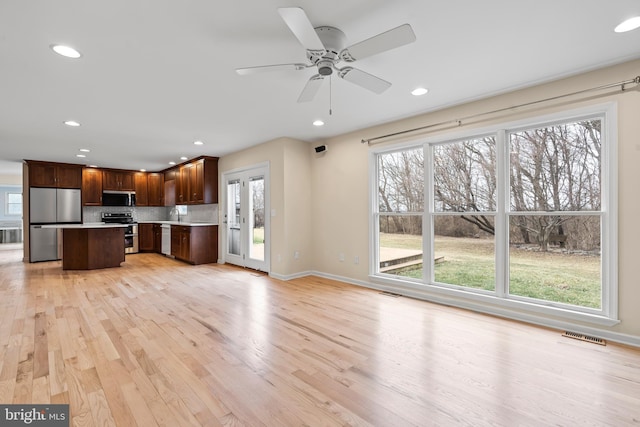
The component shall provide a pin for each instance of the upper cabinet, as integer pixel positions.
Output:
(58, 175)
(196, 182)
(91, 187)
(142, 192)
(118, 180)
(155, 188)
(191, 183)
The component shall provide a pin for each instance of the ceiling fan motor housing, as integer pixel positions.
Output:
(325, 68)
(334, 41)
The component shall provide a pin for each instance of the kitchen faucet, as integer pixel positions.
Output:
(175, 210)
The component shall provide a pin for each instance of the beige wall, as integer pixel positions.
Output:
(11, 179)
(290, 200)
(329, 222)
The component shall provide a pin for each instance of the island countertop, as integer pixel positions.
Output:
(85, 225)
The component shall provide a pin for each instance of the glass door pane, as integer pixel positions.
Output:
(233, 217)
(257, 218)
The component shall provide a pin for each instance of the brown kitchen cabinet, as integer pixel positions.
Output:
(195, 244)
(157, 238)
(182, 185)
(196, 182)
(155, 187)
(57, 175)
(140, 184)
(92, 248)
(117, 180)
(91, 187)
(146, 237)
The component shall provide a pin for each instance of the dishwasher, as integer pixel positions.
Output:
(166, 239)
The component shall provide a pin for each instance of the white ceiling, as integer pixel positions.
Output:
(158, 74)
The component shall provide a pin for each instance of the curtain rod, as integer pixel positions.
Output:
(458, 122)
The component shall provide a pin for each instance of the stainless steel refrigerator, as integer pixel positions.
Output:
(51, 206)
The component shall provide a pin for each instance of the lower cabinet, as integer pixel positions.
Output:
(146, 237)
(195, 244)
(157, 238)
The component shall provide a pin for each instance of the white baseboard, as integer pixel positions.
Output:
(286, 277)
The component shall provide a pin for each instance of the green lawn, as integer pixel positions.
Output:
(558, 277)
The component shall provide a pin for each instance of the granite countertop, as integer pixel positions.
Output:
(85, 225)
(185, 223)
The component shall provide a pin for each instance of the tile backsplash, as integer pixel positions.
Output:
(195, 213)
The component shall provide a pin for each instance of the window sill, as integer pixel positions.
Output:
(525, 311)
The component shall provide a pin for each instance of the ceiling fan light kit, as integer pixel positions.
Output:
(325, 48)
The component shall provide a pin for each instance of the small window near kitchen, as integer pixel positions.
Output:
(13, 204)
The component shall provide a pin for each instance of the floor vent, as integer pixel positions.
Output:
(390, 294)
(581, 337)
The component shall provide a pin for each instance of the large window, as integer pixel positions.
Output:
(522, 214)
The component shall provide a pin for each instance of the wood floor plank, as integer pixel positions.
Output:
(160, 342)
(100, 409)
(41, 346)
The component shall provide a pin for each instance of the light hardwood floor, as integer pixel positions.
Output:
(159, 342)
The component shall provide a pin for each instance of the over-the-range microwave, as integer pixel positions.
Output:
(118, 198)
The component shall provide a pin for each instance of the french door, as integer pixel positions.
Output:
(246, 218)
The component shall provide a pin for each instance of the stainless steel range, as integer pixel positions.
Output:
(130, 233)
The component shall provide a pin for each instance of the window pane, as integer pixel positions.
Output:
(256, 210)
(14, 198)
(464, 176)
(556, 258)
(400, 249)
(464, 250)
(556, 168)
(401, 181)
(14, 209)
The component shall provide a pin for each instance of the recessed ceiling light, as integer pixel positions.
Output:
(419, 91)
(93, 166)
(143, 170)
(81, 155)
(318, 123)
(183, 158)
(172, 163)
(198, 142)
(72, 123)
(85, 150)
(67, 51)
(628, 25)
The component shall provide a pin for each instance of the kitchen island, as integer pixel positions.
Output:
(91, 246)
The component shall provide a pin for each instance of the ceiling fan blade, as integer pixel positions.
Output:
(262, 68)
(311, 88)
(388, 40)
(365, 80)
(298, 22)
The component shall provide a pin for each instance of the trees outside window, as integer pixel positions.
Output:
(446, 210)
(401, 208)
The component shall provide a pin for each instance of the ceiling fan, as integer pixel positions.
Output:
(325, 48)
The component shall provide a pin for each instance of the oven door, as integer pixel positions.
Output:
(131, 239)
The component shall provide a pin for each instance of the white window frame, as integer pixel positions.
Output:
(6, 204)
(500, 301)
